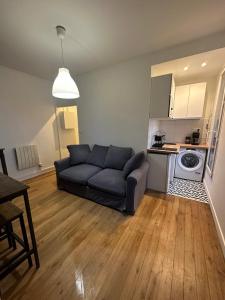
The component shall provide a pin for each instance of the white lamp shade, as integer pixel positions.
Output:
(64, 86)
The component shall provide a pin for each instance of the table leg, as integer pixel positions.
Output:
(2, 158)
(12, 238)
(31, 227)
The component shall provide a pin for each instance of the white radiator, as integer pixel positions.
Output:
(27, 156)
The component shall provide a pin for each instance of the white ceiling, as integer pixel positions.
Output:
(100, 32)
(215, 61)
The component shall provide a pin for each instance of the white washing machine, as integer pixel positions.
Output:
(190, 164)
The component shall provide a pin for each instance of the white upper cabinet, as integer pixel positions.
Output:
(189, 101)
(196, 100)
(180, 107)
(180, 102)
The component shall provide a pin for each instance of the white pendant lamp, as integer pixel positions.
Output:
(64, 86)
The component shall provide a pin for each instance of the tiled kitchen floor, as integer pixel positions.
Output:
(188, 189)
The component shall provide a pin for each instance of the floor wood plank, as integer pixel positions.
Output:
(177, 291)
(215, 267)
(200, 264)
(190, 288)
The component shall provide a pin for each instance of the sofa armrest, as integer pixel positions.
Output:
(62, 164)
(136, 186)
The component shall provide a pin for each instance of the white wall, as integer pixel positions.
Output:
(216, 188)
(27, 116)
(114, 103)
(215, 184)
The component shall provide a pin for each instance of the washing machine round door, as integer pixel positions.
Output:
(190, 160)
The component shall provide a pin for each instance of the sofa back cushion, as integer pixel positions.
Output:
(117, 157)
(133, 163)
(97, 156)
(78, 153)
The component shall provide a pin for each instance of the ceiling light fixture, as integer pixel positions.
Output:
(186, 68)
(64, 86)
(204, 64)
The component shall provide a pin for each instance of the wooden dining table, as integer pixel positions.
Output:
(11, 189)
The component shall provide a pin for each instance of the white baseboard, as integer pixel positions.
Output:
(218, 228)
(37, 173)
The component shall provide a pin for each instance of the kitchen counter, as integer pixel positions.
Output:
(175, 149)
(200, 146)
(163, 151)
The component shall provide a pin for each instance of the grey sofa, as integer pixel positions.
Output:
(111, 176)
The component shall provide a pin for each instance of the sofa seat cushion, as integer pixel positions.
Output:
(79, 174)
(109, 180)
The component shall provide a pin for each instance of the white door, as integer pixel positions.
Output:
(196, 100)
(181, 102)
(217, 123)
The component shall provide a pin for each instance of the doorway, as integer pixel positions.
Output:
(67, 127)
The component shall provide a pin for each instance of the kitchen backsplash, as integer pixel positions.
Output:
(177, 130)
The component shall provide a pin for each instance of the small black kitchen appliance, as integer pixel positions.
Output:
(159, 140)
(196, 137)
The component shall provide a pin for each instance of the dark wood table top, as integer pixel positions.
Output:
(10, 188)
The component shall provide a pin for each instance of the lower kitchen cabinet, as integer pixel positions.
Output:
(161, 171)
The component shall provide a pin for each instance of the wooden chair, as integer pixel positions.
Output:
(8, 214)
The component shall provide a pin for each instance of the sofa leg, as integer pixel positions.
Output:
(130, 213)
(59, 187)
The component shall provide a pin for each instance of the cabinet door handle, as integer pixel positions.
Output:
(171, 113)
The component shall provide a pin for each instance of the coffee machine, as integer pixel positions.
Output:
(159, 140)
(196, 137)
